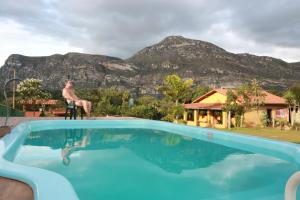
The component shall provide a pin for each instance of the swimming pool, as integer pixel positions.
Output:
(143, 159)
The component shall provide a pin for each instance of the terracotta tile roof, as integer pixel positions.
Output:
(44, 102)
(269, 99)
(273, 99)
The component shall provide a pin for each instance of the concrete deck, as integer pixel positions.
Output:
(14, 190)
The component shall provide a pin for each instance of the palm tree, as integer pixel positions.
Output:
(231, 102)
(292, 97)
(257, 97)
(244, 94)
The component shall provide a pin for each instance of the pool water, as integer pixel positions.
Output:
(150, 164)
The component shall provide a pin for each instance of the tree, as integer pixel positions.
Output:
(110, 101)
(169, 111)
(292, 97)
(31, 90)
(176, 89)
(199, 91)
(232, 106)
(244, 95)
(145, 107)
(257, 97)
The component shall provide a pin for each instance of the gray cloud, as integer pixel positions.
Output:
(122, 27)
(274, 22)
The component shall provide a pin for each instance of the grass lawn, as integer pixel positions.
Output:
(272, 133)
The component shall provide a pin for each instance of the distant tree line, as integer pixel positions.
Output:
(174, 91)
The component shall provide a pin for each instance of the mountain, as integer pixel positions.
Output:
(205, 63)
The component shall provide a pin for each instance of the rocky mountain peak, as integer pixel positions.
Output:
(171, 40)
(204, 62)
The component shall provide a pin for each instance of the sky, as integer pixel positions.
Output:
(122, 27)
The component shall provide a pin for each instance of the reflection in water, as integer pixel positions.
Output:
(74, 142)
(176, 153)
(133, 163)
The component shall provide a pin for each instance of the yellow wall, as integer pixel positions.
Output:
(214, 98)
(191, 123)
(254, 118)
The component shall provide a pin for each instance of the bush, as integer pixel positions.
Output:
(43, 114)
(111, 101)
(143, 111)
(181, 121)
(238, 120)
(265, 119)
(296, 126)
(281, 123)
(168, 118)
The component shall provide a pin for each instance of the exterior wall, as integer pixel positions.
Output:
(191, 123)
(297, 118)
(214, 98)
(251, 118)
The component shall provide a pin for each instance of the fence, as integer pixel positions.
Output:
(12, 112)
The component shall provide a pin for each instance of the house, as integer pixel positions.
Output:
(208, 110)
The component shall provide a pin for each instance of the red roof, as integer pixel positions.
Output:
(273, 99)
(269, 99)
(43, 102)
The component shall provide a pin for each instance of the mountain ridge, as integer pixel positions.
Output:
(204, 62)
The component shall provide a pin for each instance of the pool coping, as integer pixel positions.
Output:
(45, 185)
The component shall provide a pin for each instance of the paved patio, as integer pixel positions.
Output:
(14, 190)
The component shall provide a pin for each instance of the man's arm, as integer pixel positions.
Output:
(75, 97)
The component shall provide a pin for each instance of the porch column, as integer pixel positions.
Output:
(229, 120)
(273, 117)
(224, 119)
(185, 114)
(208, 117)
(196, 117)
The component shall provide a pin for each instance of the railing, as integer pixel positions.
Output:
(13, 112)
(5, 96)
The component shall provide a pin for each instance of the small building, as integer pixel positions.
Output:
(207, 110)
(30, 106)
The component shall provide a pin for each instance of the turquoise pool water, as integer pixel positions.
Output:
(137, 163)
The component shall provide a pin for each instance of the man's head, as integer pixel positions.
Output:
(68, 84)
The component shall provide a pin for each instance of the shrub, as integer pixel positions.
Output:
(281, 123)
(265, 119)
(296, 126)
(168, 118)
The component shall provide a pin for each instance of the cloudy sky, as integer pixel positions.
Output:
(122, 27)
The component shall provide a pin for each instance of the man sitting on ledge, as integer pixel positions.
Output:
(69, 94)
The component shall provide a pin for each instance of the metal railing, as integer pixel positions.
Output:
(6, 100)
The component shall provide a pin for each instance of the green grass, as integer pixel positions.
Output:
(271, 133)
